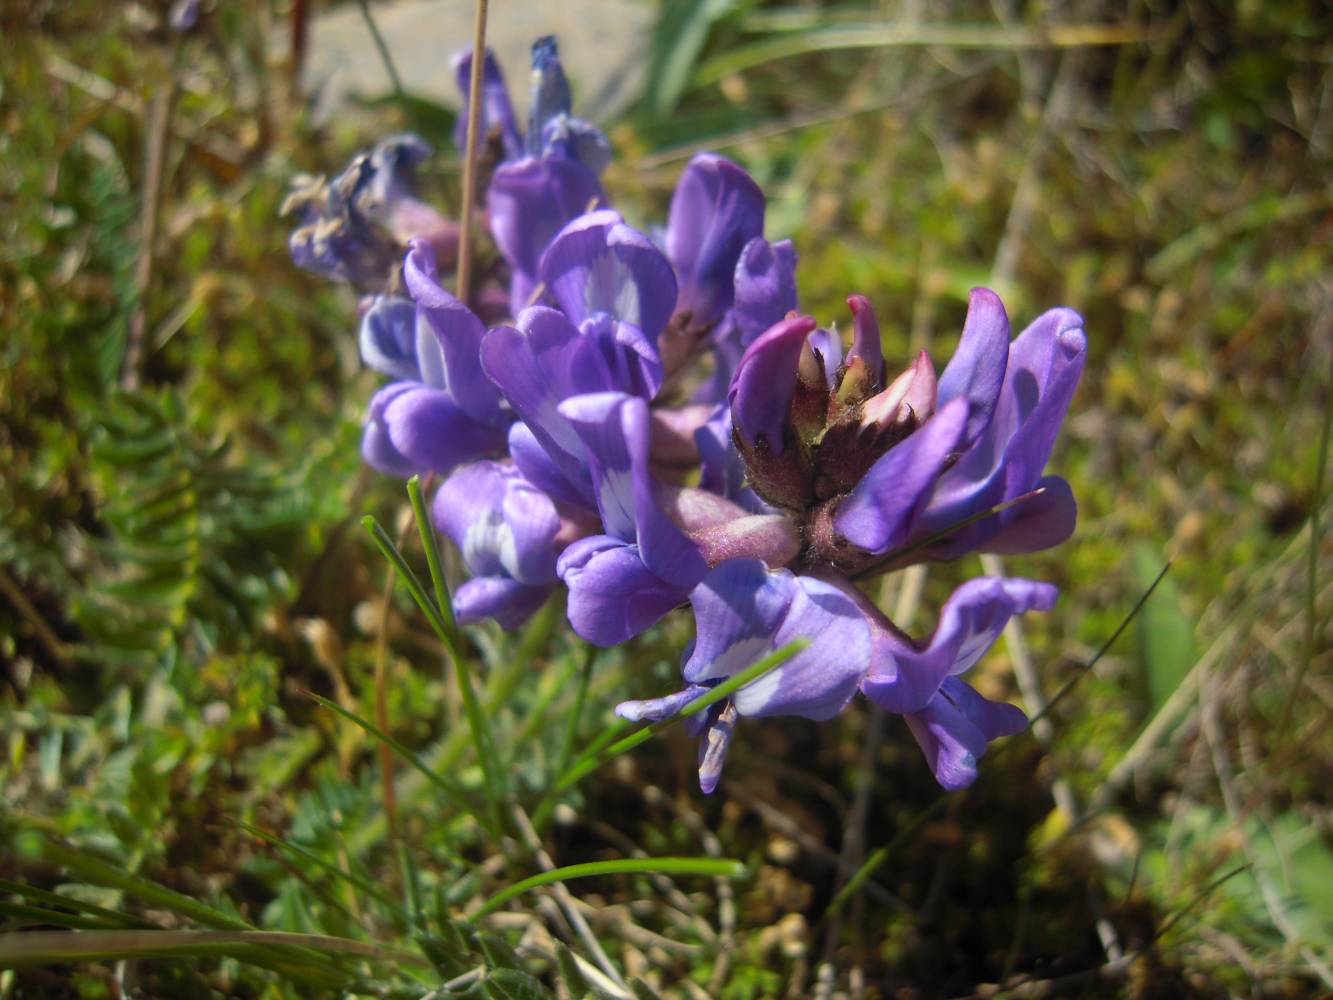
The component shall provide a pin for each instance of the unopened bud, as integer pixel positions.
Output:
(905, 404)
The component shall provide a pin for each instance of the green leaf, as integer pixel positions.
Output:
(678, 39)
(496, 951)
(642, 991)
(1165, 631)
(514, 984)
(571, 976)
(447, 958)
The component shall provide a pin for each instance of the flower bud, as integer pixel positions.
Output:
(903, 406)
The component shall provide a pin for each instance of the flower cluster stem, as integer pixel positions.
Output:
(470, 154)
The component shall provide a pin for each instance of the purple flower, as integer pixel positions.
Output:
(1008, 450)
(497, 114)
(733, 284)
(543, 181)
(765, 283)
(743, 612)
(599, 265)
(507, 531)
(529, 202)
(919, 679)
(544, 360)
(716, 210)
(871, 470)
(906, 675)
(353, 228)
(623, 581)
(443, 411)
(954, 729)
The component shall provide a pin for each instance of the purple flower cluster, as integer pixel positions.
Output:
(658, 426)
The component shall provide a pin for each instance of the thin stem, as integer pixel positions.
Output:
(470, 154)
(647, 866)
(476, 718)
(381, 48)
(576, 716)
(382, 705)
(155, 158)
(599, 754)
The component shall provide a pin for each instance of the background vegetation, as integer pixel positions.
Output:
(181, 562)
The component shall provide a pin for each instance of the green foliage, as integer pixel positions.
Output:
(188, 565)
(1165, 631)
(201, 541)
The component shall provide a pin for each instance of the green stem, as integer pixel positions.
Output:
(476, 718)
(596, 757)
(381, 48)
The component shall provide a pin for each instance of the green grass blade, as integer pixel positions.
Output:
(360, 884)
(57, 947)
(717, 867)
(874, 35)
(410, 580)
(54, 899)
(101, 873)
(576, 716)
(601, 752)
(27, 914)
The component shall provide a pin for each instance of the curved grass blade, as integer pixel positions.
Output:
(355, 881)
(716, 867)
(90, 910)
(904, 836)
(600, 753)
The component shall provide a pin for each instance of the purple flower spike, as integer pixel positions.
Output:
(597, 264)
(529, 202)
(955, 728)
(550, 89)
(879, 512)
(716, 210)
(552, 131)
(765, 283)
(1006, 461)
(906, 675)
(744, 612)
(761, 390)
(496, 111)
(976, 370)
(506, 530)
(458, 334)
